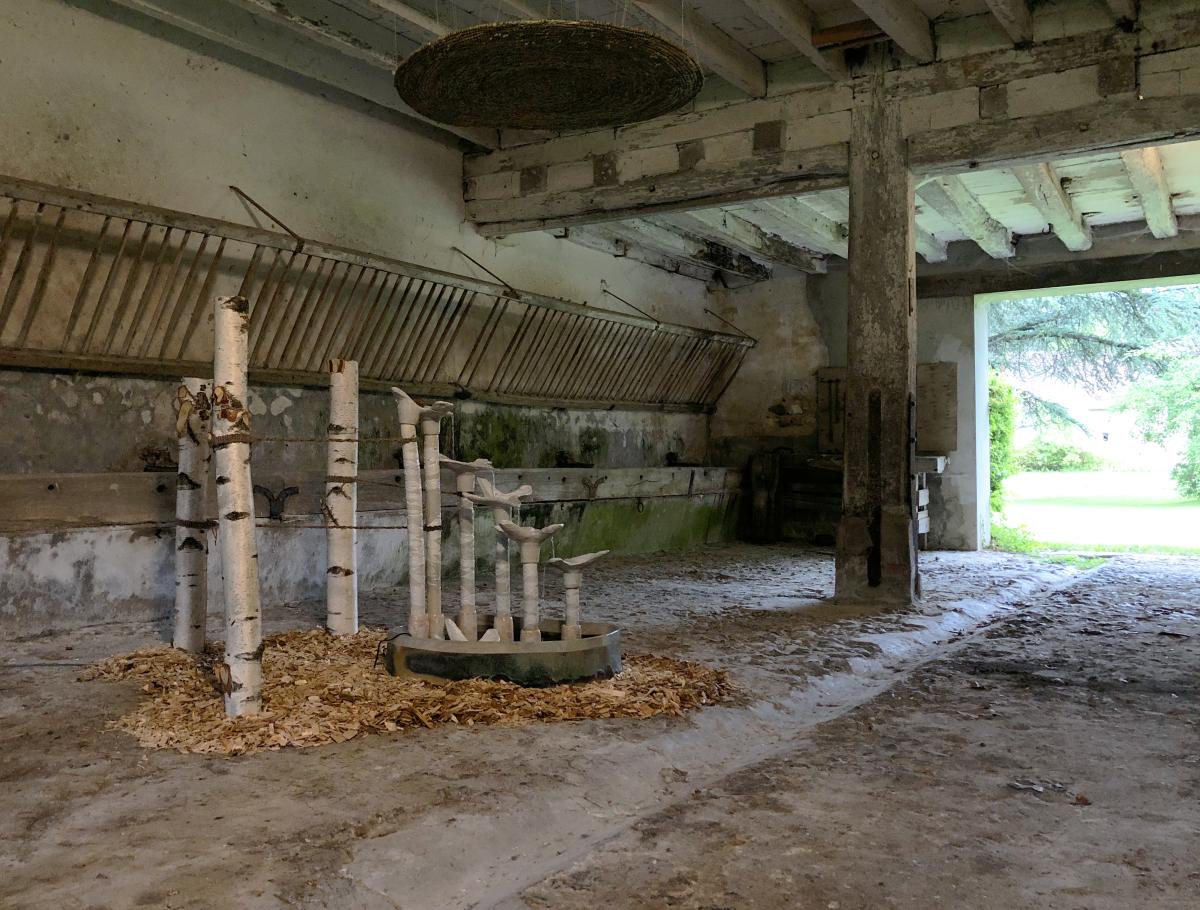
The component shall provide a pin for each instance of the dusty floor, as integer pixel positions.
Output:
(879, 760)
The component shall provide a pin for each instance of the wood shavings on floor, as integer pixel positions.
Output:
(320, 689)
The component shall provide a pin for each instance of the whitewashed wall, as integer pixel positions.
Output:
(98, 106)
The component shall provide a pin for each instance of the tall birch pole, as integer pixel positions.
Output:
(431, 429)
(502, 505)
(235, 507)
(191, 525)
(410, 416)
(531, 540)
(341, 500)
(464, 482)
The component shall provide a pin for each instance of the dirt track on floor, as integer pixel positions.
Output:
(783, 800)
(1052, 763)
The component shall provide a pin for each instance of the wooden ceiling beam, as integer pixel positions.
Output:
(904, 23)
(266, 32)
(930, 248)
(793, 220)
(793, 21)
(414, 17)
(737, 233)
(716, 50)
(1014, 18)
(671, 241)
(1046, 192)
(951, 199)
(526, 9)
(1145, 170)
(605, 241)
(1124, 10)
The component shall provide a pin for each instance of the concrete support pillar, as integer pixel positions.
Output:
(876, 546)
(954, 330)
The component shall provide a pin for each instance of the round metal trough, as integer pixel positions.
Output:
(597, 655)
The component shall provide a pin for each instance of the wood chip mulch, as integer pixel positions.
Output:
(322, 689)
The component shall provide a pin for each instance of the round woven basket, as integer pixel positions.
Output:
(548, 74)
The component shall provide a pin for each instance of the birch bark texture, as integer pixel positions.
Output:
(341, 500)
(192, 425)
(464, 484)
(572, 575)
(410, 417)
(242, 679)
(431, 429)
(531, 540)
(502, 506)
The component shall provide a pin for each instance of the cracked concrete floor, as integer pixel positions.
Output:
(848, 776)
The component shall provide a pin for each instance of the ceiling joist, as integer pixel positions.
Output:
(793, 219)
(1124, 10)
(1145, 170)
(793, 21)
(1046, 193)
(597, 238)
(713, 47)
(951, 199)
(672, 241)
(414, 17)
(904, 23)
(739, 234)
(930, 248)
(1014, 18)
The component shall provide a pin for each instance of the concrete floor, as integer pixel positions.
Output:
(875, 760)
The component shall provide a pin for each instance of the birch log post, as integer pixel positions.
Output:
(464, 482)
(531, 540)
(341, 500)
(572, 573)
(431, 429)
(410, 417)
(502, 505)
(191, 524)
(242, 679)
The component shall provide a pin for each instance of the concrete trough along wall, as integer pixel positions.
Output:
(63, 565)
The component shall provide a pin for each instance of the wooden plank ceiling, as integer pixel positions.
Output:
(753, 48)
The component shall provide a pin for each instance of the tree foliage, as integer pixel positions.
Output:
(1002, 423)
(1099, 341)
(1167, 405)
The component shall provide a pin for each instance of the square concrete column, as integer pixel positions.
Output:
(954, 330)
(876, 546)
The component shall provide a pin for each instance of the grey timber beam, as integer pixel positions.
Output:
(722, 54)
(876, 555)
(1014, 18)
(1145, 170)
(904, 23)
(953, 201)
(1046, 192)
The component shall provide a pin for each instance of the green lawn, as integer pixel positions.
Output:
(1103, 510)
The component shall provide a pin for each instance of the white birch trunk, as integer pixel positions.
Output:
(191, 531)
(530, 602)
(468, 621)
(341, 500)
(430, 440)
(572, 629)
(410, 415)
(235, 506)
(504, 621)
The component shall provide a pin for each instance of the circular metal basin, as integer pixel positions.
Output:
(597, 655)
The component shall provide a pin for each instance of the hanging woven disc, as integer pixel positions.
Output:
(547, 74)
